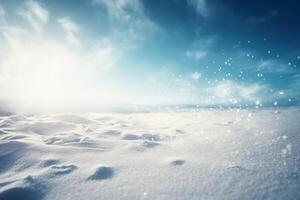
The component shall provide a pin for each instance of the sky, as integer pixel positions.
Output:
(90, 54)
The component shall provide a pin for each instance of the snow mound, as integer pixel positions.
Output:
(101, 173)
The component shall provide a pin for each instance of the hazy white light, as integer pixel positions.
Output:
(44, 74)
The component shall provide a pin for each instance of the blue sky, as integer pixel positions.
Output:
(146, 52)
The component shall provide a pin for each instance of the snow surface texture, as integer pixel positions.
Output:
(210, 154)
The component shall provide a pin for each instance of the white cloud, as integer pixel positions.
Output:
(68, 25)
(272, 66)
(200, 6)
(195, 55)
(231, 91)
(9, 33)
(71, 30)
(2, 15)
(123, 10)
(129, 19)
(103, 55)
(35, 14)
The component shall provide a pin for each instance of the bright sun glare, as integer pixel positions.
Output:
(47, 74)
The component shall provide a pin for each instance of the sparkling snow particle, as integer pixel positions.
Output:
(196, 76)
(289, 148)
(284, 152)
(284, 137)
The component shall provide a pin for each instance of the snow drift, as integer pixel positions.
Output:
(210, 154)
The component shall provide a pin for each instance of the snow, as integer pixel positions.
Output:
(209, 154)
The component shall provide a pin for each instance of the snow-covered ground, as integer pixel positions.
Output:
(209, 154)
